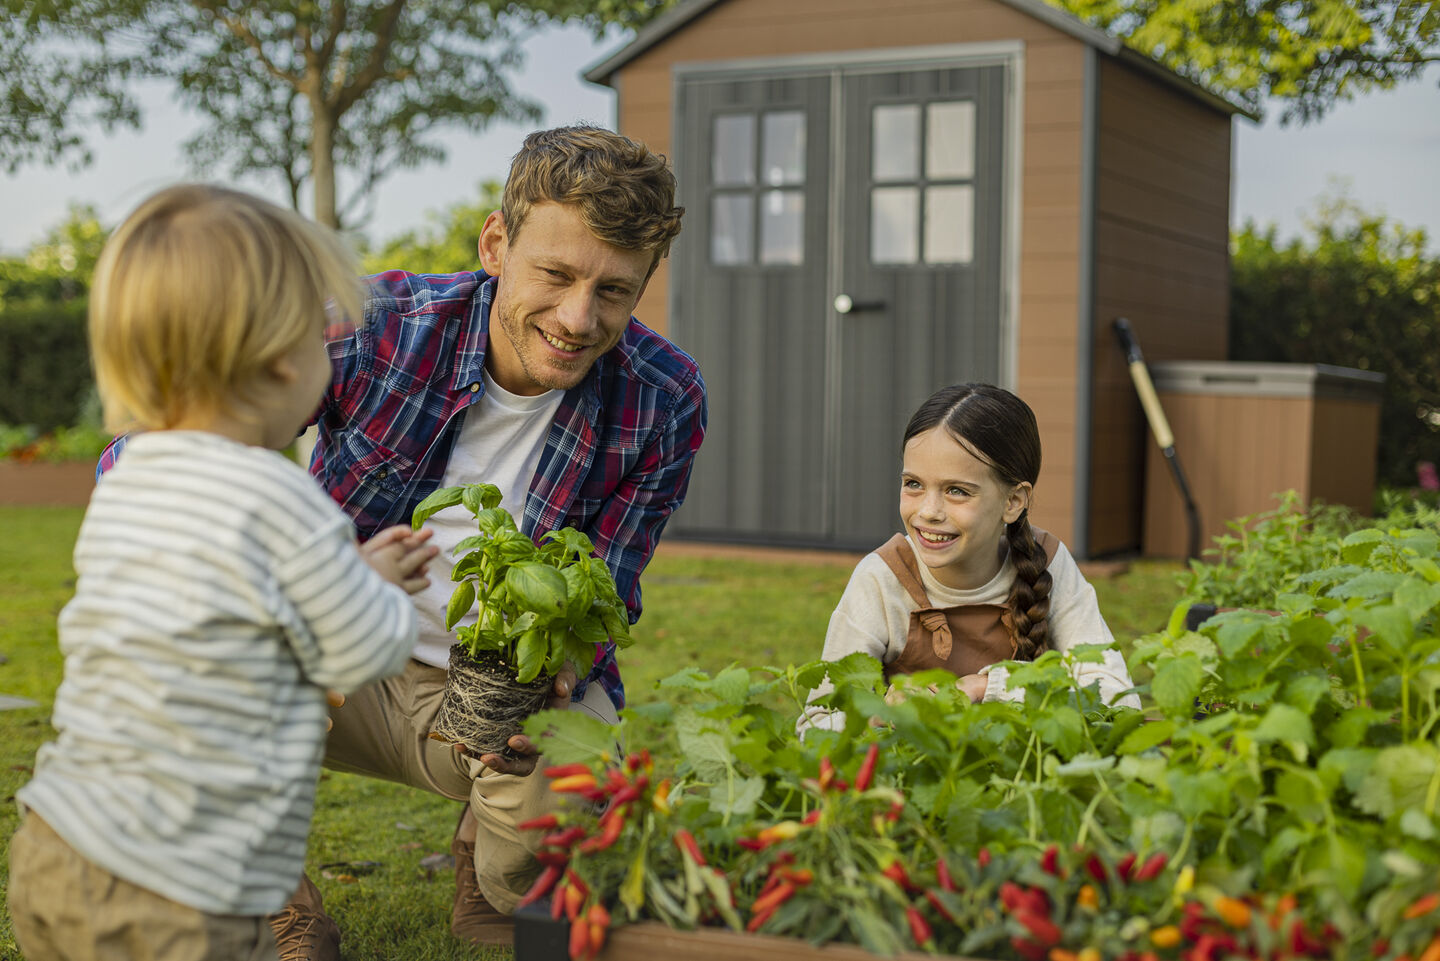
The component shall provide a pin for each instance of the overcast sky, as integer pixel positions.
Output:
(1384, 150)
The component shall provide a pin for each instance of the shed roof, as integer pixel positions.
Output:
(688, 10)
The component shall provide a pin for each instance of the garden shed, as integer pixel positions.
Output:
(885, 199)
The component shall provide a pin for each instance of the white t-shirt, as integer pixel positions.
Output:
(219, 593)
(500, 443)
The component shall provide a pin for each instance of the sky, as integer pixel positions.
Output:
(1383, 151)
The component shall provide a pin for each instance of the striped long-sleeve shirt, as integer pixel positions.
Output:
(219, 592)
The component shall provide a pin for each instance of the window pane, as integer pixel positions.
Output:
(782, 146)
(732, 162)
(950, 140)
(949, 224)
(731, 229)
(896, 137)
(895, 225)
(782, 227)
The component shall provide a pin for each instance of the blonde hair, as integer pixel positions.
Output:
(198, 292)
(625, 194)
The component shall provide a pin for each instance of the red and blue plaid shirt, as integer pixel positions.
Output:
(616, 462)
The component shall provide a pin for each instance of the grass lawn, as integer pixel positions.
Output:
(702, 609)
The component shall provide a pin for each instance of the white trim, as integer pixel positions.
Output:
(1012, 219)
(855, 61)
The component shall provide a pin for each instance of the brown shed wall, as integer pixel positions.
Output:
(1050, 227)
(1162, 260)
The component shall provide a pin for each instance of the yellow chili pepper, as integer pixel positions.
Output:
(1088, 897)
(1166, 937)
(1233, 911)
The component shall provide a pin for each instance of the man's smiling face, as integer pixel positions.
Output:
(563, 298)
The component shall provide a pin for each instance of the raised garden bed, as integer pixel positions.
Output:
(36, 483)
(538, 938)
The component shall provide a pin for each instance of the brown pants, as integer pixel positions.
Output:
(65, 908)
(383, 731)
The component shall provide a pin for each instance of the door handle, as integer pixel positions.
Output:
(845, 304)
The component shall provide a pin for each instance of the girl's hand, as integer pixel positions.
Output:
(974, 686)
(400, 555)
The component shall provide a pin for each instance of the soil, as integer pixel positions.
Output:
(484, 706)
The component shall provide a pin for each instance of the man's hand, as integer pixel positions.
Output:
(400, 555)
(529, 757)
(974, 686)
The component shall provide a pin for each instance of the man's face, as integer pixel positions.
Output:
(562, 299)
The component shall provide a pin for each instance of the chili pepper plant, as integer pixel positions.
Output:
(526, 609)
(1279, 797)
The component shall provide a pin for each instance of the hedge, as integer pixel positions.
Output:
(45, 374)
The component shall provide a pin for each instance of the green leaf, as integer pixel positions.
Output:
(1416, 824)
(732, 686)
(1399, 779)
(1305, 691)
(856, 670)
(1062, 728)
(569, 737)
(1356, 548)
(736, 797)
(461, 600)
(1145, 737)
(1177, 683)
(1368, 586)
(1239, 631)
(438, 501)
(493, 520)
(632, 889)
(1390, 623)
(579, 592)
(530, 653)
(1176, 626)
(1417, 597)
(704, 745)
(479, 497)
(537, 587)
(1289, 725)
(617, 623)
(1352, 726)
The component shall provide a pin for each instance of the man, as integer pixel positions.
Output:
(532, 376)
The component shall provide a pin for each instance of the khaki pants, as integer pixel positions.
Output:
(383, 731)
(65, 908)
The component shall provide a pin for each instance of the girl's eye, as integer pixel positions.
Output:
(909, 484)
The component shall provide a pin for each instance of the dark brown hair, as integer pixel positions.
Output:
(1000, 429)
(625, 193)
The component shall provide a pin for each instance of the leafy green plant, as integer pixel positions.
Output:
(536, 606)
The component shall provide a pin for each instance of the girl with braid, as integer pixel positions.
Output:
(970, 583)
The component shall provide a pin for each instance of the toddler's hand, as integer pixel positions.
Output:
(400, 555)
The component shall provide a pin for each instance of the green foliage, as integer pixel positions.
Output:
(58, 268)
(1308, 54)
(539, 606)
(447, 245)
(301, 93)
(45, 379)
(1360, 292)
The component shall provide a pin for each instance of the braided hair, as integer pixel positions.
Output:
(1000, 428)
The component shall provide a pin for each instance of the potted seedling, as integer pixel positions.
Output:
(535, 606)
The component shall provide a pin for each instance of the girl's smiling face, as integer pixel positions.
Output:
(955, 508)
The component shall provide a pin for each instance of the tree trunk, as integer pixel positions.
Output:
(322, 166)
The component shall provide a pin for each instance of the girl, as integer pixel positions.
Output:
(970, 583)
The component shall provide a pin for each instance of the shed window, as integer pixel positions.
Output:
(922, 213)
(757, 209)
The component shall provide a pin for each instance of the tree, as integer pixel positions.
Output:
(1359, 292)
(449, 243)
(1306, 53)
(57, 269)
(301, 90)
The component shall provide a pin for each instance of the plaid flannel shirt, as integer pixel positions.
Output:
(616, 462)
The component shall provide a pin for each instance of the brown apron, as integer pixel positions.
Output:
(960, 639)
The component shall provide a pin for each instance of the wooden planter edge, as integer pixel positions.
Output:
(539, 938)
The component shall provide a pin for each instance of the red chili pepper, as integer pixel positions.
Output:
(1028, 949)
(565, 838)
(919, 927)
(896, 808)
(557, 901)
(566, 770)
(598, 921)
(942, 875)
(614, 780)
(685, 841)
(542, 885)
(801, 876)
(636, 761)
(609, 834)
(579, 941)
(866, 774)
(574, 783)
(1096, 867)
(895, 871)
(1041, 928)
(983, 858)
(1125, 867)
(1423, 905)
(751, 844)
(811, 818)
(552, 857)
(758, 920)
(827, 773)
(939, 905)
(625, 795)
(1152, 867)
(1050, 860)
(781, 893)
(545, 822)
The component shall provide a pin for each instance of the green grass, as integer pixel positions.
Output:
(705, 612)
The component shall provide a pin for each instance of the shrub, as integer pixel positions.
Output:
(45, 376)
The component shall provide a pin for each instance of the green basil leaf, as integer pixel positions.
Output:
(530, 654)
(479, 497)
(461, 600)
(438, 501)
(537, 587)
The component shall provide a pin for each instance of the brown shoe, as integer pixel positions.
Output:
(473, 919)
(303, 931)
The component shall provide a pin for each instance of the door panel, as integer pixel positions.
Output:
(750, 301)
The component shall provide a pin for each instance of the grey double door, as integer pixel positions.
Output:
(841, 259)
